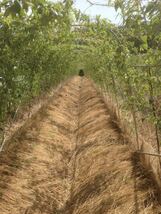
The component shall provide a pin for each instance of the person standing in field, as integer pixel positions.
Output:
(81, 73)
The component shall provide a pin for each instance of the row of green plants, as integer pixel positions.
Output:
(42, 42)
(127, 58)
(35, 50)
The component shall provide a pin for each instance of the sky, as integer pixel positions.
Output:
(108, 13)
(105, 12)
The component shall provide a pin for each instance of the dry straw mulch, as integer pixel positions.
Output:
(72, 159)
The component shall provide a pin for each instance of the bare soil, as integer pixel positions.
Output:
(72, 159)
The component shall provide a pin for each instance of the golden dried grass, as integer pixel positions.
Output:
(108, 177)
(73, 159)
(35, 175)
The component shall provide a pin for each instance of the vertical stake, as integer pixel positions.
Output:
(115, 92)
(151, 90)
(133, 114)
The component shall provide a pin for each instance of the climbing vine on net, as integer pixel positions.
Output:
(42, 42)
(35, 44)
(127, 58)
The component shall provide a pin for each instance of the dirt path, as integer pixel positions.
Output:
(72, 160)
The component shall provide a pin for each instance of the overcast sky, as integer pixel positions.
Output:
(105, 12)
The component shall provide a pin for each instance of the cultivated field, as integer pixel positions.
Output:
(73, 159)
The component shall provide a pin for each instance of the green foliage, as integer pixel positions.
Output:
(114, 55)
(35, 44)
(42, 42)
